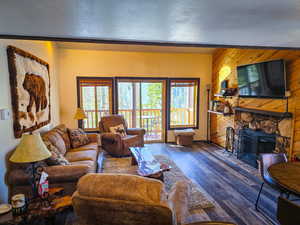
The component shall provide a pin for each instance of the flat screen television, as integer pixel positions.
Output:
(262, 80)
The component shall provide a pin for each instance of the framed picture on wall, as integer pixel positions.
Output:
(30, 90)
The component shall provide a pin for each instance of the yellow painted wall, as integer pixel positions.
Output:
(45, 51)
(77, 62)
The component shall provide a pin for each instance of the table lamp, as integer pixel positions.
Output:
(80, 115)
(31, 149)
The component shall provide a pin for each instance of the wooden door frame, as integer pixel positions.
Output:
(164, 82)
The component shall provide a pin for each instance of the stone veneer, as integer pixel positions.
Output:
(281, 127)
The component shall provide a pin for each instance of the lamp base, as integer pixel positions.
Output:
(35, 172)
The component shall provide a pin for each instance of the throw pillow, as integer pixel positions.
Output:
(119, 129)
(63, 131)
(78, 138)
(56, 157)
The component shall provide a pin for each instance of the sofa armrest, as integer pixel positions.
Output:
(56, 174)
(110, 137)
(93, 137)
(136, 131)
(66, 173)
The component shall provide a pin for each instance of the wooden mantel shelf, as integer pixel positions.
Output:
(264, 112)
(220, 113)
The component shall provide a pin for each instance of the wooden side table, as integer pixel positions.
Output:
(37, 210)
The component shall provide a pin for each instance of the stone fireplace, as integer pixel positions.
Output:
(257, 133)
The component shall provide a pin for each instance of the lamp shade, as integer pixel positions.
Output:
(30, 149)
(79, 115)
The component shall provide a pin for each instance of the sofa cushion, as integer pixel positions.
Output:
(81, 155)
(78, 138)
(55, 139)
(121, 187)
(63, 131)
(91, 146)
(91, 164)
(56, 157)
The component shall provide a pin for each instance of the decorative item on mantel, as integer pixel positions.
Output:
(31, 149)
(225, 90)
(220, 107)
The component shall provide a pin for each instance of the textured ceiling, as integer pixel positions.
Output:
(217, 22)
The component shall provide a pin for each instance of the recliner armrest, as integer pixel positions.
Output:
(136, 131)
(110, 137)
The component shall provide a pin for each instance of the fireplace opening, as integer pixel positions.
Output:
(252, 143)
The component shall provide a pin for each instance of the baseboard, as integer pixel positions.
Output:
(194, 141)
(217, 145)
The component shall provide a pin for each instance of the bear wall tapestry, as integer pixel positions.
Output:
(30, 90)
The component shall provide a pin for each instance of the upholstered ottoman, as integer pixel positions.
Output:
(184, 137)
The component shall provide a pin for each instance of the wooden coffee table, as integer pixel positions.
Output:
(148, 166)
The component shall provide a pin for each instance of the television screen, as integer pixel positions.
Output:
(262, 80)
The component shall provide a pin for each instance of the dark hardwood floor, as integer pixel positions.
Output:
(232, 185)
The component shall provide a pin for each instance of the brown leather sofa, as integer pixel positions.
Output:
(115, 144)
(85, 159)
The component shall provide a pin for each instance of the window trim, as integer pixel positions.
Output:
(79, 100)
(167, 97)
(181, 127)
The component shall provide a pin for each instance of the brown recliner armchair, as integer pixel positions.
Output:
(115, 144)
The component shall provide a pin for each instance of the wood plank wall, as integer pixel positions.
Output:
(230, 59)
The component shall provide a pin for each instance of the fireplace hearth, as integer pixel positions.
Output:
(252, 143)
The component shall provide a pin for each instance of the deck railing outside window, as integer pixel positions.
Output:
(151, 118)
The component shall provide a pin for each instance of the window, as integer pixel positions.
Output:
(99, 96)
(95, 98)
(184, 98)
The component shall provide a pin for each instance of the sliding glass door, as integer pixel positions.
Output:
(143, 106)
